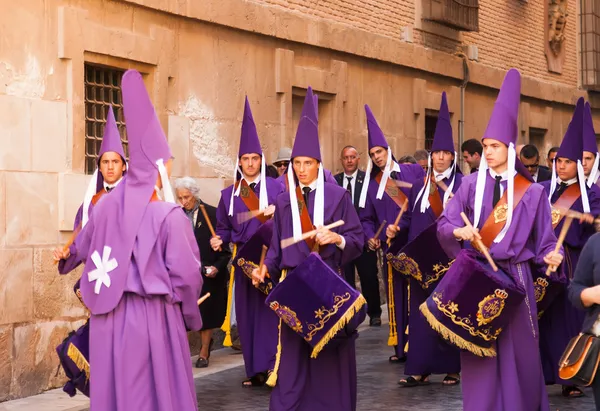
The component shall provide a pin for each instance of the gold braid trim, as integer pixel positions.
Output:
(226, 327)
(341, 323)
(393, 335)
(454, 338)
(272, 380)
(75, 355)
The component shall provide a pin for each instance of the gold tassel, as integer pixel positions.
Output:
(393, 335)
(454, 338)
(226, 327)
(75, 355)
(341, 323)
(272, 380)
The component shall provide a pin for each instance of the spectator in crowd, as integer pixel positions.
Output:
(421, 156)
(530, 157)
(472, 150)
(551, 156)
(407, 160)
(283, 159)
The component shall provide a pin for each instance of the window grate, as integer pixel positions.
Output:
(430, 125)
(462, 15)
(102, 89)
(590, 44)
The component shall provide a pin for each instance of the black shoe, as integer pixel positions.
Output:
(202, 362)
(375, 322)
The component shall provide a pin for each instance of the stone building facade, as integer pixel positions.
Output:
(60, 62)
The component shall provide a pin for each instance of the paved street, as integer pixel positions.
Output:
(377, 387)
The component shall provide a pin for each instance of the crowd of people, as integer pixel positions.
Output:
(279, 256)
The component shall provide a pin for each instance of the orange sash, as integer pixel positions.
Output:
(250, 200)
(305, 221)
(565, 201)
(392, 190)
(435, 201)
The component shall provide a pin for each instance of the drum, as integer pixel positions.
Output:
(316, 303)
(472, 304)
(248, 256)
(423, 259)
(547, 288)
(74, 354)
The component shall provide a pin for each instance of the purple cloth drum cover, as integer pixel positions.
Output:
(422, 259)
(547, 288)
(473, 304)
(316, 303)
(248, 257)
(73, 354)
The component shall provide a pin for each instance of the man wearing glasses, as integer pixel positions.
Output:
(283, 159)
(530, 157)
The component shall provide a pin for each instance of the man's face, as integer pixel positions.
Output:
(566, 169)
(186, 199)
(441, 160)
(350, 160)
(250, 164)
(112, 167)
(379, 156)
(472, 160)
(423, 164)
(551, 157)
(531, 164)
(306, 169)
(281, 166)
(588, 162)
(495, 152)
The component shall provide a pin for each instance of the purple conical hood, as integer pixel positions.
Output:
(442, 139)
(589, 134)
(503, 122)
(306, 143)
(572, 143)
(111, 141)
(376, 137)
(249, 142)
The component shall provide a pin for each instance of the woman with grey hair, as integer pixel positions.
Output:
(214, 264)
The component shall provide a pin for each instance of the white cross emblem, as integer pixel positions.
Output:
(103, 267)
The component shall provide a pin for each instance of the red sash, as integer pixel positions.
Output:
(392, 190)
(305, 220)
(435, 201)
(250, 200)
(565, 201)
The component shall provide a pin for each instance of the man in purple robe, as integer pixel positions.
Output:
(329, 381)
(252, 191)
(111, 169)
(141, 279)
(385, 189)
(512, 380)
(429, 353)
(561, 321)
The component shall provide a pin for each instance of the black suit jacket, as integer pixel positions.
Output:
(360, 178)
(544, 174)
(218, 259)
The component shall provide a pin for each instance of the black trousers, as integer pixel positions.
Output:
(366, 265)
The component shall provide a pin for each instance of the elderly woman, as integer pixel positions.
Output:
(214, 264)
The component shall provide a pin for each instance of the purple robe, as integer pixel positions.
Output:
(329, 381)
(428, 353)
(139, 351)
(256, 323)
(512, 380)
(563, 321)
(371, 217)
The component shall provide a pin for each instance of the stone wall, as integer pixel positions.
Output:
(199, 60)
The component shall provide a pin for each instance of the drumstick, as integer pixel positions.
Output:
(389, 240)
(208, 223)
(404, 184)
(249, 215)
(71, 240)
(588, 218)
(380, 229)
(203, 298)
(263, 254)
(444, 187)
(286, 242)
(479, 243)
(561, 239)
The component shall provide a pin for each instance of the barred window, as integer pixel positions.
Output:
(590, 44)
(102, 89)
(430, 124)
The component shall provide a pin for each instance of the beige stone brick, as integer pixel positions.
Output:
(16, 302)
(6, 356)
(48, 135)
(15, 133)
(210, 190)
(31, 212)
(179, 141)
(71, 189)
(53, 295)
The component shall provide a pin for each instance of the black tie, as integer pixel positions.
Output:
(559, 190)
(252, 185)
(108, 189)
(393, 175)
(306, 190)
(349, 187)
(497, 190)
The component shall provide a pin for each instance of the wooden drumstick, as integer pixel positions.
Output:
(286, 242)
(249, 215)
(404, 184)
(444, 187)
(208, 223)
(404, 206)
(203, 298)
(479, 243)
(380, 229)
(561, 239)
(71, 240)
(588, 218)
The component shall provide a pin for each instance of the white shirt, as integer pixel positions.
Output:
(111, 186)
(441, 176)
(256, 180)
(535, 176)
(569, 182)
(352, 182)
(313, 187)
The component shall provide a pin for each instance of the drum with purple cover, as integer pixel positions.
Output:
(547, 288)
(74, 354)
(316, 303)
(248, 256)
(472, 304)
(423, 259)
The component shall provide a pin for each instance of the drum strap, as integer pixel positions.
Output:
(435, 201)
(250, 200)
(305, 221)
(565, 201)
(392, 190)
(495, 221)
